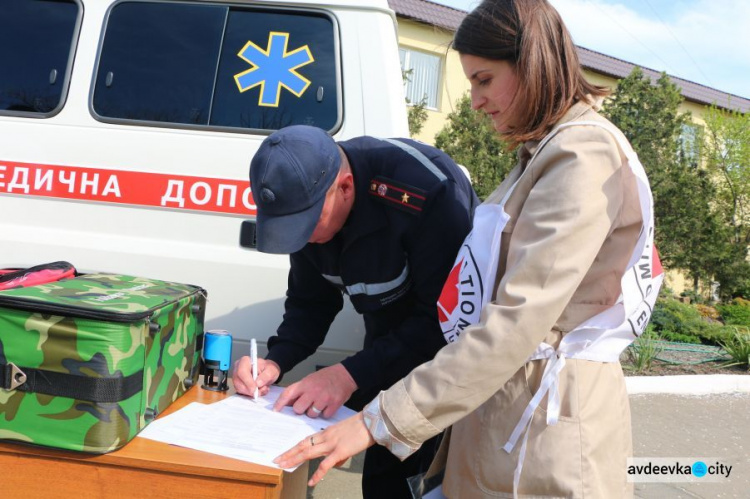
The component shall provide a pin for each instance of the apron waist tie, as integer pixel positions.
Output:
(550, 384)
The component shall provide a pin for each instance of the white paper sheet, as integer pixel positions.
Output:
(239, 427)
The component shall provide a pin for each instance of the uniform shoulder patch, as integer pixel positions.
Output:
(398, 194)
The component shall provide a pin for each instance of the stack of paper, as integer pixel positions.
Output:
(239, 427)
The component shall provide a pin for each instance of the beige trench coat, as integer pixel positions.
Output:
(574, 221)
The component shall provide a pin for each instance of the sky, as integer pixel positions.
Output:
(703, 41)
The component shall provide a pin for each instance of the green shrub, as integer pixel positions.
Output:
(707, 312)
(714, 334)
(675, 317)
(682, 338)
(670, 312)
(673, 320)
(694, 297)
(738, 347)
(736, 313)
(643, 351)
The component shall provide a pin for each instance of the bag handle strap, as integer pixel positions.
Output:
(57, 270)
(100, 390)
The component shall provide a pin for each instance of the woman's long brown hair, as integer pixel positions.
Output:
(531, 35)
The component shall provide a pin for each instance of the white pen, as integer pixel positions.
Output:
(254, 361)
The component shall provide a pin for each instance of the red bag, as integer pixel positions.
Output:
(39, 274)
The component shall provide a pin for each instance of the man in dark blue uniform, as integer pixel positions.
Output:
(380, 220)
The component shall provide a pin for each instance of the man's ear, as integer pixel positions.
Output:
(346, 184)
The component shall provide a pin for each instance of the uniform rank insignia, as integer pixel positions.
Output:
(397, 194)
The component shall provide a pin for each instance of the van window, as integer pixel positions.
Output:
(36, 50)
(226, 67)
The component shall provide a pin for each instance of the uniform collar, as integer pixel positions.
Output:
(527, 150)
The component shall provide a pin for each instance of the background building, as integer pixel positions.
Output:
(425, 31)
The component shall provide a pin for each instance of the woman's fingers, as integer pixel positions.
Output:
(307, 449)
(338, 443)
(325, 465)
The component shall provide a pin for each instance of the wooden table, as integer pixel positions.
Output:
(143, 469)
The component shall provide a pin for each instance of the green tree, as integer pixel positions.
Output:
(688, 233)
(648, 116)
(726, 156)
(470, 139)
(416, 114)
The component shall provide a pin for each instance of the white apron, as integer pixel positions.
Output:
(601, 338)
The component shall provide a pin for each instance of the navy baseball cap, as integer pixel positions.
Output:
(290, 176)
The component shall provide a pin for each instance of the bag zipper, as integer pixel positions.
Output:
(29, 305)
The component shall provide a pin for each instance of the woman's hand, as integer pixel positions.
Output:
(338, 443)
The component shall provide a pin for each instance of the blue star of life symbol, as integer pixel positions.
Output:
(273, 69)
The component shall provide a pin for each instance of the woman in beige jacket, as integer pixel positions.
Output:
(574, 223)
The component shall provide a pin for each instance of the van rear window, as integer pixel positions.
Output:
(227, 67)
(37, 40)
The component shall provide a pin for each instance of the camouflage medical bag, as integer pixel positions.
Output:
(87, 362)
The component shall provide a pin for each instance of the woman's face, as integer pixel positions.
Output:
(493, 87)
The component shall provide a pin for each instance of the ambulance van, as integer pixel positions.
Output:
(127, 129)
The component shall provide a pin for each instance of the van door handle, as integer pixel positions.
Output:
(247, 234)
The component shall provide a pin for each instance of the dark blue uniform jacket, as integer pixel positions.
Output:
(392, 258)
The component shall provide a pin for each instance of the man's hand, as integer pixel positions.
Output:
(321, 392)
(242, 376)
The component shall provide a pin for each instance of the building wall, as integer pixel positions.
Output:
(453, 84)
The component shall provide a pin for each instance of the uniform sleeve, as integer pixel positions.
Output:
(310, 307)
(431, 250)
(569, 212)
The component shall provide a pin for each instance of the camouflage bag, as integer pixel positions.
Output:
(87, 362)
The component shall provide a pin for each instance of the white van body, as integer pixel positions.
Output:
(168, 202)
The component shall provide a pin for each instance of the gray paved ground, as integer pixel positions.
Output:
(663, 426)
(683, 426)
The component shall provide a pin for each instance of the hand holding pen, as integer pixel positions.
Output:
(254, 378)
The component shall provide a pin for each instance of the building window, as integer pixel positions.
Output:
(422, 76)
(690, 139)
(210, 65)
(37, 43)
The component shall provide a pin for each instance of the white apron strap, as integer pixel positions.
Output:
(549, 384)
